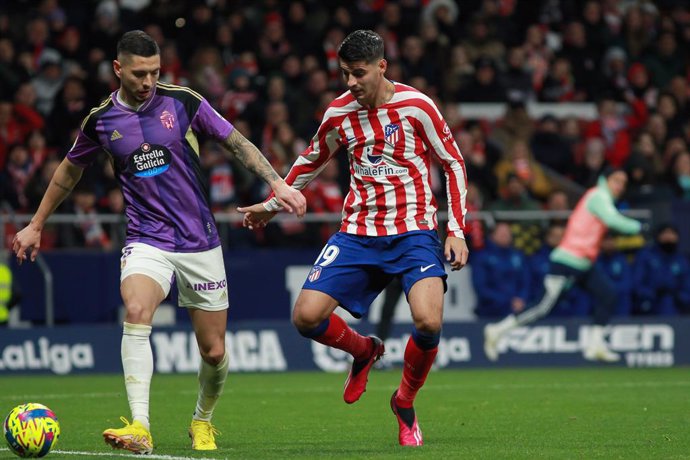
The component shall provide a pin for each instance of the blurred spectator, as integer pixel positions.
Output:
(11, 73)
(520, 163)
(662, 276)
(474, 202)
(640, 85)
(286, 147)
(666, 62)
(18, 171)
(48, 82)
(614, 67)
(538, 55)
(644, 166)
(480, 159)
(593, 163)
(550, 148)
(517, 79)
(458, 73)
(667, 106)
(615, 128)
(37, 186)
(636, 37)
(416, 62)
(273, 46)
(500, 275)
(615, 264)
(584, 59)
(516, 125)
(679, 176)
(87, 230)
(484, 87)
(69, 110)
(559, 84)
(481, 41)
(526, 233)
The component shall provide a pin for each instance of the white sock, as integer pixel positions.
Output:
(137, 363)
(506, 324)
(211, 383)
(596, 336)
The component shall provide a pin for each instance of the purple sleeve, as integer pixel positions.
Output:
(84, 150)
(210, 122)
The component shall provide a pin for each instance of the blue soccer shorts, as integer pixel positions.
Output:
(355, 269)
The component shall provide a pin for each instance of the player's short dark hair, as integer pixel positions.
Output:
(137, 43)
(361, 45)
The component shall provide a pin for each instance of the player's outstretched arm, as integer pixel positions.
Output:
(290, 199)
(256, 215)
(456, 252)
(65, 178)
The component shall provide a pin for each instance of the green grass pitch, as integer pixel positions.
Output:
(599, 412)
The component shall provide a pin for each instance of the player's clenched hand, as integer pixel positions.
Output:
(28, 238)
(456, 252)
(255, 216)
(290, 199)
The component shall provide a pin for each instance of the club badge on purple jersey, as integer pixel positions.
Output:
(391, 133)
(167, 119)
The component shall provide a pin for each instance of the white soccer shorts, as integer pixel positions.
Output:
(200, 276)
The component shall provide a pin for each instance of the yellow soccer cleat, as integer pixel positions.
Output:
(133, 437)
(203, 435)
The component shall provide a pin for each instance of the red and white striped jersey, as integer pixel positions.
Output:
(389, 151)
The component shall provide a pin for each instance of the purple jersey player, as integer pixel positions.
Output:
(149, 131)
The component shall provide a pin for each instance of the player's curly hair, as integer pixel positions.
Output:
(361, 45)
(137, 43)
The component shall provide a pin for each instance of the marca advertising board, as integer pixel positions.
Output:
(276, 347)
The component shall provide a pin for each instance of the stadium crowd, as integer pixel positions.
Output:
(270, 67)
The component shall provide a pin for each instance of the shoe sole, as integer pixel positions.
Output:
(117, 442)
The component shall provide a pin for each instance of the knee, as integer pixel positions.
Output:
(138, 313)
(304, 321)
(214, 353)
(428, 325)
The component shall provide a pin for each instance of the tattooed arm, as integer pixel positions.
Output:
(250, 157)
(65, 178)
(247, 154)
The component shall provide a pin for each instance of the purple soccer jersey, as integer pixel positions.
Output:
(155, 154)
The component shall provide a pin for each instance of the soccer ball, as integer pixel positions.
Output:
(31, 430)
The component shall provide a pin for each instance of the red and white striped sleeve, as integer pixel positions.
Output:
(437, 136)
(313, 159)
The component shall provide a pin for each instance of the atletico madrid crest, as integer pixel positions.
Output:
(392, 133)
(314, 273)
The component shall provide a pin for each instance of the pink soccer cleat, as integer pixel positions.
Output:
(356, 382)
(409, 433)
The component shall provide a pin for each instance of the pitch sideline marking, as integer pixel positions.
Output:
(110, 454)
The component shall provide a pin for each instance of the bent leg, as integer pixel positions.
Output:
(554, 287)
(141, 295)
(314, 318)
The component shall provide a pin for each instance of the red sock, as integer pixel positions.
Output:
(415, 369)
(341, 336)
